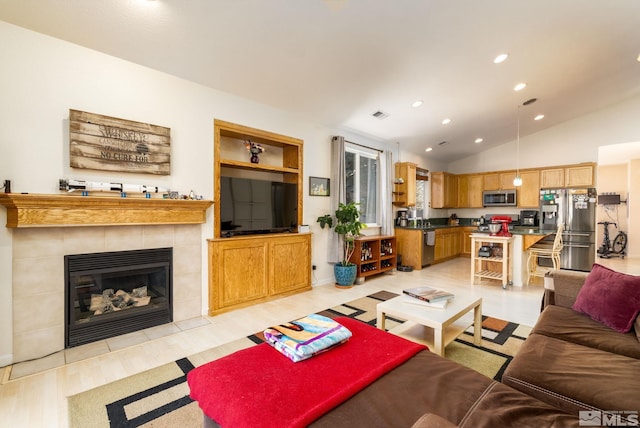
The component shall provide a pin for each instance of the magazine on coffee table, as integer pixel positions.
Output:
(440, 304)
(428, 294)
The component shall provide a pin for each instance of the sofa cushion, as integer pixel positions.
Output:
(428, 383)
(567, 324)
(573, 377)
(611, 297)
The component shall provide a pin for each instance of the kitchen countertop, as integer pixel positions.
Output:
(432, 227)
(519, 230)
(515, 230)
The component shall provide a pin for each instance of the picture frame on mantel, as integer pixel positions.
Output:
(319, 186)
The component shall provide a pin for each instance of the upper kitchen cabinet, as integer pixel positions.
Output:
(499, 181)
(569, 176)
(552, 177)
(529, 192)
(580, 175)
(404, 185)
(470, 191)
(444, 190)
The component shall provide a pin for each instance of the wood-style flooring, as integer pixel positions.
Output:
(39, 400)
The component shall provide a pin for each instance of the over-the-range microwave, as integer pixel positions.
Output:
(499, 198)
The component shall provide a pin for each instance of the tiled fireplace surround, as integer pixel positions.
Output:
(38, 275)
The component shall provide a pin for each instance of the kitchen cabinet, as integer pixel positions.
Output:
(409, 243)
(553, 177)
(469, 191)
(447, 243)
(475, 191)
(499, 181)
(374, 254)
(528, 195)
(404, 192)
(463, 191)
(580, 176)
(444, 190)
(465, 239)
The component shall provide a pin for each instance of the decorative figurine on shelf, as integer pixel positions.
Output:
(255, 149)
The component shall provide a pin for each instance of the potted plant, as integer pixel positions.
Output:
(348, 227)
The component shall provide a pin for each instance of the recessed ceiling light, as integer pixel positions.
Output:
(479, 140)
(446, 121)
(539, 117)
(500, 58)
(520, 86)
(428, 149)
(638, 58)
(417, 103)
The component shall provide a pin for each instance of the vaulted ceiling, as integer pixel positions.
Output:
(337, 62)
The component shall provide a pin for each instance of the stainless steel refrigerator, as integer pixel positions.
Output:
(576, 210)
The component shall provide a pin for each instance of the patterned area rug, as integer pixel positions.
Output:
(160, 397)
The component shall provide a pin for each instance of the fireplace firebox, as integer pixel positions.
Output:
(114, 293)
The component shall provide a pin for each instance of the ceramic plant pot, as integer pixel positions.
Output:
(345, 275)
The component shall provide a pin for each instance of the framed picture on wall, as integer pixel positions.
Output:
(319, 186)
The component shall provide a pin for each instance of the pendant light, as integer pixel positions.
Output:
(518, 180)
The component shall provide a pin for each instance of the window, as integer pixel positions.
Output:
(361, 173)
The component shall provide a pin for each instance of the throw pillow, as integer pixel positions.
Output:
(610, 297)
(636, 326)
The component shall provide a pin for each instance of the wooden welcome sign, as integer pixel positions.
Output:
(112, 144)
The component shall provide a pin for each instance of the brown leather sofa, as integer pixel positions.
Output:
(575, 363)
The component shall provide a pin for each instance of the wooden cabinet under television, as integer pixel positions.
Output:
(247, 269)
(251, 269)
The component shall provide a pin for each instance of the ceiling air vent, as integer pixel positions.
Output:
(443, 143)
(380, 115)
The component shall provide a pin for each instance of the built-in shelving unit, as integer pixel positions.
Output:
(244, 270)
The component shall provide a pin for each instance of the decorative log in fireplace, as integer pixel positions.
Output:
(114, 293)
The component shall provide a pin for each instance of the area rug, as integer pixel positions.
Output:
(160, 397)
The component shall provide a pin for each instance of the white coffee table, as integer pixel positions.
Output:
(444, 325)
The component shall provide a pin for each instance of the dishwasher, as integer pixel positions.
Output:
(428, 246)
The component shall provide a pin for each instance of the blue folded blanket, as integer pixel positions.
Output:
(306, 337)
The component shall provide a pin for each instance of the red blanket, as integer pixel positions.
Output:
(259, 387)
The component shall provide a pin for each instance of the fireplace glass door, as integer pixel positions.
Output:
(109, 294)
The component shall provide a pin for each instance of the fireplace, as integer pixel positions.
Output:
(113, 293)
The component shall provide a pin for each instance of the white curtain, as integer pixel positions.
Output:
(386, 198)
(338, 194)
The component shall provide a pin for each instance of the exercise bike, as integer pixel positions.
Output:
(609, 249)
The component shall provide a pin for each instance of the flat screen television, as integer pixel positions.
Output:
(251, 206)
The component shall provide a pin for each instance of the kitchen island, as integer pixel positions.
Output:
(523, 238)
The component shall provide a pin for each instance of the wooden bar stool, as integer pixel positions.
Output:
(545, 251)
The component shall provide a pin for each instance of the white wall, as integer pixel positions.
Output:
(571, 142)
(42, 78)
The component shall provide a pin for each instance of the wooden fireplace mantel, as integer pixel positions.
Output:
(37, 210)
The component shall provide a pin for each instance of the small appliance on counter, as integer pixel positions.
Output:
(529, 218)
(503, 221)
(402, 218)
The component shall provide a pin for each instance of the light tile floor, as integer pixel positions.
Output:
(39, 400)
